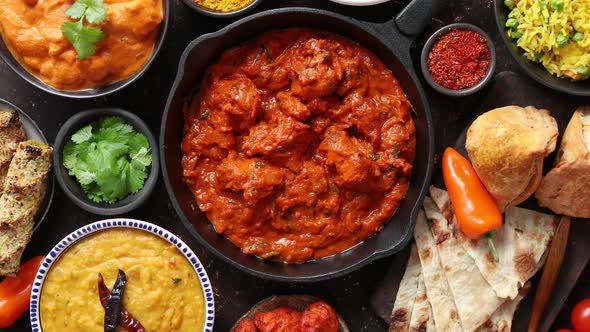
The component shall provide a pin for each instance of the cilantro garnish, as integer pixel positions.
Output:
(109, 159)
(82, 37)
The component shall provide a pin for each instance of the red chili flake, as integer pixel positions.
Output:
(459, 59)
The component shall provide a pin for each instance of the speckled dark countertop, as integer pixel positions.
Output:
(236, 291)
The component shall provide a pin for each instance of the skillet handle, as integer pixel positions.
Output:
(412, 19)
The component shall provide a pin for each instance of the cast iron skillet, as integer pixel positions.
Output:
(13, 63)
(393, 49)
(533, 69)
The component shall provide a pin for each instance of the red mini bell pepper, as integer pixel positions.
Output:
(15, 292)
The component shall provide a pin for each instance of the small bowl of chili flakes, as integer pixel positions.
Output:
(458, 59)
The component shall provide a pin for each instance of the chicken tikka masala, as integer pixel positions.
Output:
(299, 145)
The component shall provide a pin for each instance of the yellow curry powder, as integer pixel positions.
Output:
(223, 5)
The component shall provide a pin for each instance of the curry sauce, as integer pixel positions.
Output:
(299, 146)
(32, 33)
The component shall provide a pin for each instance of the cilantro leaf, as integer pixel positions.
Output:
(142, 156)
(82, 135)
(82, 38)
(77, 10)
(109, 159)
(136, 175)
(96, 12)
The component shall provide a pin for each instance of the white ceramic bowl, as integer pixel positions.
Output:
(98, 226)
(359, 2)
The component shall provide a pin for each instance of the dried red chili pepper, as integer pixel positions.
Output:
(127, 320)
(459, 59)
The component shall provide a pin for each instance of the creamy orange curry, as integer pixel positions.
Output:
(31, 29)
(299, 146)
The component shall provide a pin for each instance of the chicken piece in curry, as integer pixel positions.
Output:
(299, 145)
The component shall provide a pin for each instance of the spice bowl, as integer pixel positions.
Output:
(74, 190)
(460, 92)
(249, 5)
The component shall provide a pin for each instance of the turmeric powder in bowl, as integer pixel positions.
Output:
(224, 6)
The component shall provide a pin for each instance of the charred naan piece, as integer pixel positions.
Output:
(564, 189)
(406, 294)
(475, 299)
(501, 320)
(421, 320)
(507, 147)
(520, 243)
(444, 310)
(11, 133)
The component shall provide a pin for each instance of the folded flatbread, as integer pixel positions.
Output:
(421, 320)
(444, 311)
(501, 320)
(520, 243)
(406, 294)
(475, 299)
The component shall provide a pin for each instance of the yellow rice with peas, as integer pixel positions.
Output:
(223, 5)
(555, 33)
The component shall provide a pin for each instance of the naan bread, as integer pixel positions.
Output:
(507, 146)
(501, 320)
(520, 243)
(444, 311)
(406, 294)
(475, 299)
(421, 320)
(564, 189)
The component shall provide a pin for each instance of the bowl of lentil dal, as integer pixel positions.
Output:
(458, 59)
(222, 8)
(167, 288)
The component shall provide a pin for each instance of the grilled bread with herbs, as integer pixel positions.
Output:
(24, 190)
(11, 133)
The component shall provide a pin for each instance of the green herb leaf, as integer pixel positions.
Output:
(82, 38)
(77, 10)
(96, 13)
(109, 159)
(176, 280)
(82, 135)
(509, 4)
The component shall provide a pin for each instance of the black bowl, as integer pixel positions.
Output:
(70, 185)
(203, 51)
(218, 14)
(463, 92)
(535, 70)
(18, 68)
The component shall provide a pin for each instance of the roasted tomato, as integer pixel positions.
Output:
(246, 325)
(282, 319)
(319, 317)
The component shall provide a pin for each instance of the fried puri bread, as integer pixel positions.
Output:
(11, 133)
(507, 147)
(564, 189)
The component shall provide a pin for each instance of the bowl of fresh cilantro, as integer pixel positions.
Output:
(106, 161)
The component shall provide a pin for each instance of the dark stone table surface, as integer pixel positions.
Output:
(235, 291)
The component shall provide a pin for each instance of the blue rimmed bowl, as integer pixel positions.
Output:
(81, 233)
